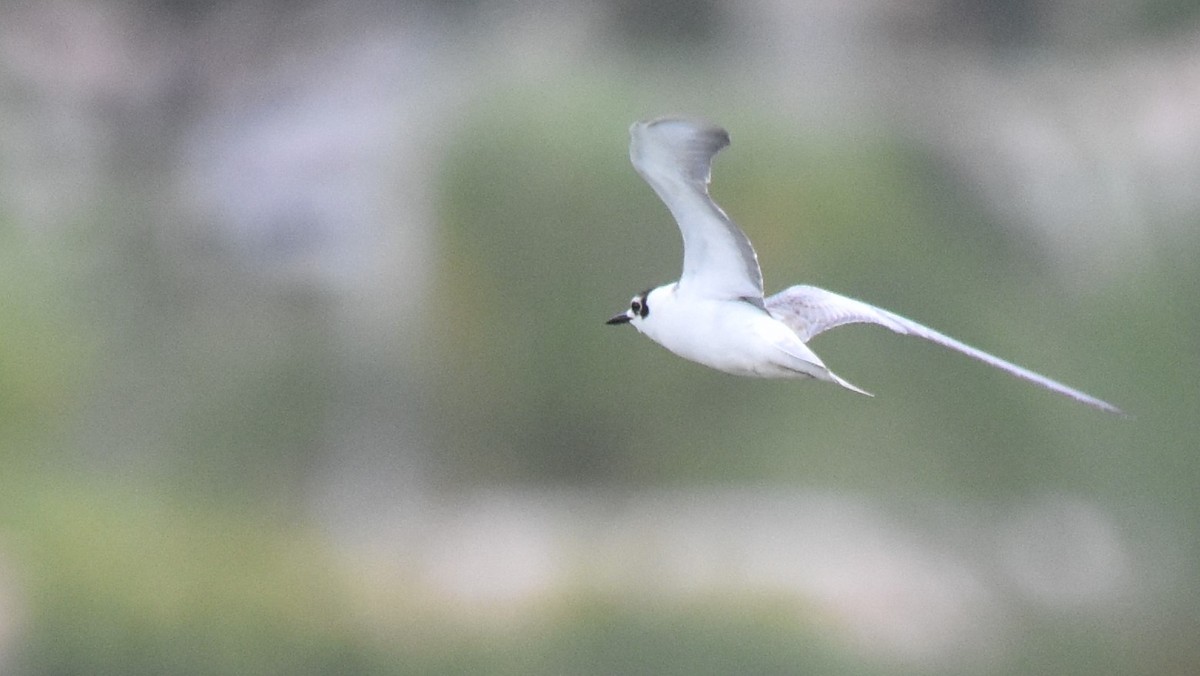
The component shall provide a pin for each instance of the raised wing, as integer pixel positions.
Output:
(675, 157)
(809, 311)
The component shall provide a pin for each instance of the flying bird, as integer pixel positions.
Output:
(716, 314)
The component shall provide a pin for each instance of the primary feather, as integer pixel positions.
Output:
(810, 311)
(675, 157)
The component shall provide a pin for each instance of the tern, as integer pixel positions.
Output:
(716, 314)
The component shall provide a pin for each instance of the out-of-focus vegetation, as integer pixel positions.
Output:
(304, 365)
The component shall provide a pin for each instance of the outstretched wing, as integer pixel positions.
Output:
(675, 157)
(809, 311)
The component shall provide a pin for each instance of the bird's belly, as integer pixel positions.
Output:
(741, 346)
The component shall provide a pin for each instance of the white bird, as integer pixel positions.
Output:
(716, 313)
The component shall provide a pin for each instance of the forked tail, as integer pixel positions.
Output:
(833, 377)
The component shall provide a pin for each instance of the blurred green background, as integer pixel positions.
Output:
(304, 368)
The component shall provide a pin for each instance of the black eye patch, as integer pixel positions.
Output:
(640, 307)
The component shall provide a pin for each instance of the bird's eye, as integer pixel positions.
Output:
(639, 306)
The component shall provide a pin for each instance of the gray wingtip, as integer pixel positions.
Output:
(689, 131)
(697, 124)
(665, 147)
(1106, 407)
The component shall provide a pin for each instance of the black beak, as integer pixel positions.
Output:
(622, 318)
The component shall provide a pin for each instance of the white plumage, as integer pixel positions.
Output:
(716, 313)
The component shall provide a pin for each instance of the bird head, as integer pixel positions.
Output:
(638, 310)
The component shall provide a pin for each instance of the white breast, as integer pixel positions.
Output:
(728, 335)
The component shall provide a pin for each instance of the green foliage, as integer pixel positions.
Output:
(44, 351)
(124, 582)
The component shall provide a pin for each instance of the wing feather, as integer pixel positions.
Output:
(675, 157)
(810, 311)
